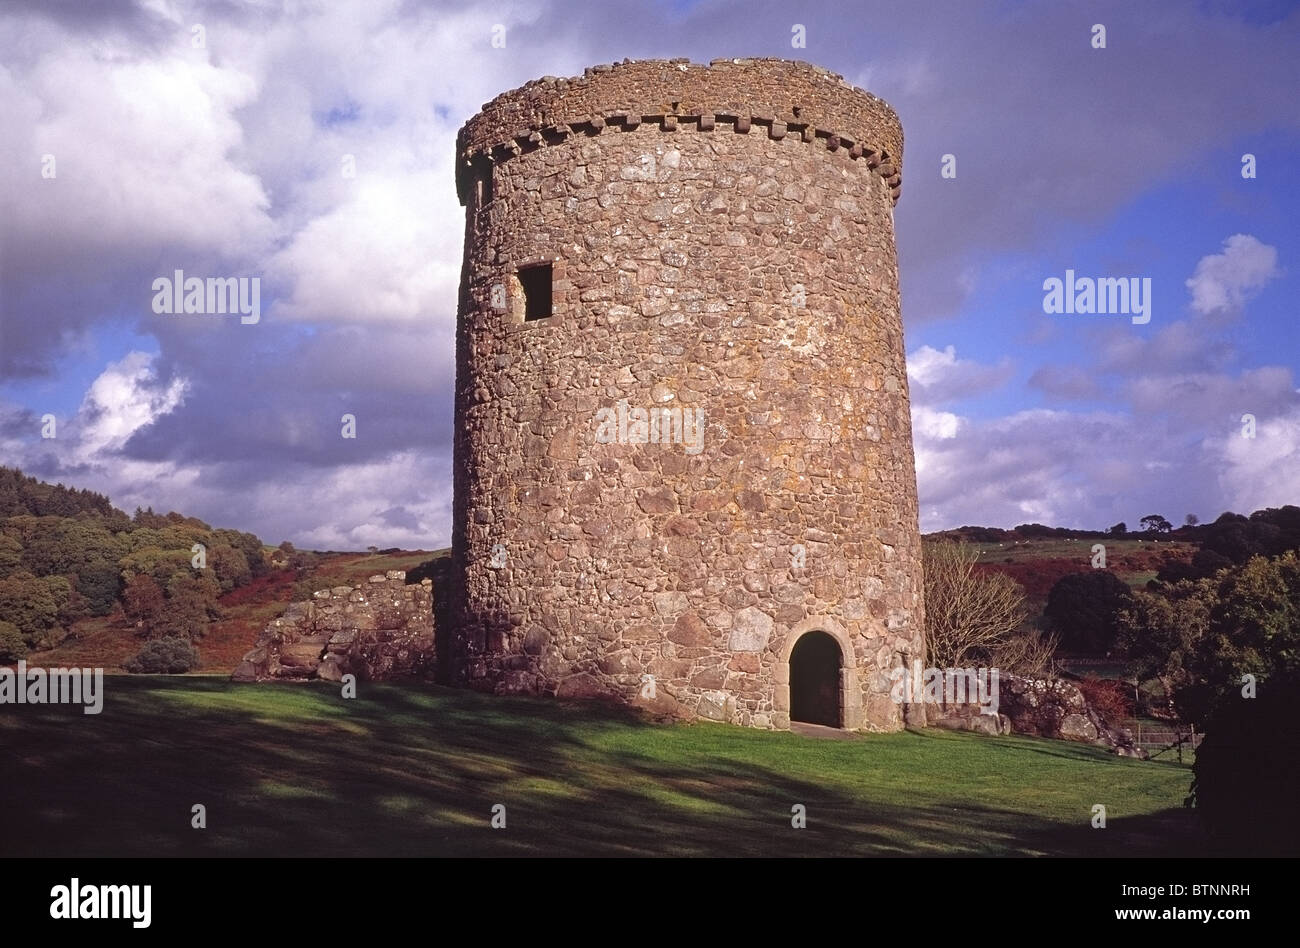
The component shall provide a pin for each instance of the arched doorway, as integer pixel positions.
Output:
(815, 680)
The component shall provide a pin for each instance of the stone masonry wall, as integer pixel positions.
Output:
(721, 240)
(1054, 708)
(380, 630)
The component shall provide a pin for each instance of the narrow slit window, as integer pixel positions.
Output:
(535, 283)
(485, 187)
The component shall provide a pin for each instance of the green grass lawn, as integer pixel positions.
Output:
(415, 771)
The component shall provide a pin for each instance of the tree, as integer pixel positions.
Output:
(1204, 563)
(1191, 520)
(12, 646)
(71, 604)
(230, 566)
(100, 583)
(1201, 637)
(11, 555)
(969, 616)
(1269, 532)
(1247, 775)
(1154, 523)
(1119, 529)
(1160, 633)
(246, 543)
(191, 603)
(30, 604)
(157, 562)
(143, 602)
(165, 656)
(20, 494)
(1084, 608)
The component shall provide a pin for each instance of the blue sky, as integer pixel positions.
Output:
(1115, 162)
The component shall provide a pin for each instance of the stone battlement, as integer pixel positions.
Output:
(782, 97)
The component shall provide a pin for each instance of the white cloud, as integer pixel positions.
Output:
(937, 375)
(126, 397)
(1223, 282)
(145, 154)
(1263, 471)
(389, 253)
(359, 495)
(938, 425)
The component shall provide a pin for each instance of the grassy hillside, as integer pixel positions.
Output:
(415, 771)
(1036, 564)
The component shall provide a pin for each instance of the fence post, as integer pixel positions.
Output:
(1137, 711)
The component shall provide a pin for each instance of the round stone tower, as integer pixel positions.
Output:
(683, 456)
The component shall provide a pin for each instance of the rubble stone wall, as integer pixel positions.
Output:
(380, 630)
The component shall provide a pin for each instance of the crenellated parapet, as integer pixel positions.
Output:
(772, 97)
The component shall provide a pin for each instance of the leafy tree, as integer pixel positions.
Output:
(1258, 618)
(30, 604)
(1119, 529)
(1160, 633)
(1154, 523)
(1037, 530)
(156, 562)
(1084, 607)
(1204, 563)
(1285, 524)
(1191, 520)
(11, 555)
(143, 602)
(12, 646)
(51, 531)
(1268, 532)
(65, 545)
(230, 566)
(191, 604)
(249, 545)
(165, 656)
(71, 605)
(101, 584)
(20, 494)
(308, 586)
(1200, 637)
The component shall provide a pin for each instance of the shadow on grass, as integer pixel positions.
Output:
(290, 770)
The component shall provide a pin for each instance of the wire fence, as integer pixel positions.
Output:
(1164, 739)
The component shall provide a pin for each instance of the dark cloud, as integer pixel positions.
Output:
(225, 161)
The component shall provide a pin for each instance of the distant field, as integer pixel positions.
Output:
(106, 643)
(297, 770)
(1038, 564)
(1117, 549)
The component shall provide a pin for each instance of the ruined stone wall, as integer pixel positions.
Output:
(380, 630)
(1053, 708)
(721, 240)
